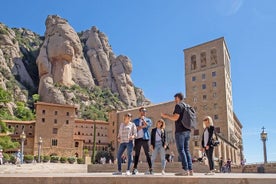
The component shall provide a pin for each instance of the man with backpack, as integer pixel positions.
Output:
(182, 134)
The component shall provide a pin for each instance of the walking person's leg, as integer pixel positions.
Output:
(154, 155)
(163, 159)
(187, 150)
(147, 153)
(179, 139)
(211, 150)
(129, 154)
(137, 149)
(120, 152)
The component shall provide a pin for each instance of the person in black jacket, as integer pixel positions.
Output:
(206, 142)
(158, 143)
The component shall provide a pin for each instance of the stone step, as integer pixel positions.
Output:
(108, 178)
(143, 167)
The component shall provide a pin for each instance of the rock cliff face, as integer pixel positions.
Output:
(110, 71)
(30, 64)
(14, 75)
(61, 61)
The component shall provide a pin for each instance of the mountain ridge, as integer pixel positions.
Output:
(65, 67)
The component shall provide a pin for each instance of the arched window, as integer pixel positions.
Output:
(213, 58)
(203, 59)
(193, 62)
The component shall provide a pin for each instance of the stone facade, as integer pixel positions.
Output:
(209, 91)
(55, 125)
(84, 131)
(61, 132)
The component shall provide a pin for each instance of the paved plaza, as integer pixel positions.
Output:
(77, 173)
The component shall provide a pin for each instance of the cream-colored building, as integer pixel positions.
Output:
(209, 91)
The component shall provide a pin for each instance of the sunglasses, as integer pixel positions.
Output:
(128, 115)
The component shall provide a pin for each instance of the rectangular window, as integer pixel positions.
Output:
(196, 131)
(194, 78)
(204, 97)
(55, 130)
(43, 111)
(217, 129)
(54, 142)
(203, 86)
(215, 116)
(214, 74)
(56, 112)
(214, 84)
(43, 120)
(214, 95)
(203, 76)
(67, 122)
(215, 106)
(196, 143)
(55, 121)
(67, 113)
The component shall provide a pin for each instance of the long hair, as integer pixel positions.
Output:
(209, 119)
(163, 124)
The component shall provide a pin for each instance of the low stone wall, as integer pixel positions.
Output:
(260, 168)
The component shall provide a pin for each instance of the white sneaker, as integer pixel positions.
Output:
(128, 173)
(163, 172)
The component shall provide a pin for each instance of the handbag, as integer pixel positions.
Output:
(215, 141)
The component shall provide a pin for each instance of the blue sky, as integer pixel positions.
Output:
(153, 34)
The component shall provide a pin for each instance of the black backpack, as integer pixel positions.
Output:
(189, 116)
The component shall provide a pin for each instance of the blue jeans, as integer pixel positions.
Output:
(159, 149)
(182, 143)
(122, 148)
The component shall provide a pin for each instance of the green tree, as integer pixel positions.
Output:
(5, 140)
(23, 113)
(35, 97)
(5, 96)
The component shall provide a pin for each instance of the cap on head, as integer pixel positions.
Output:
(143, 109)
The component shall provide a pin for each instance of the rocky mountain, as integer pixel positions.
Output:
(65, 67)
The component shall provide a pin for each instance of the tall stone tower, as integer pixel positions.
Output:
(209, 91)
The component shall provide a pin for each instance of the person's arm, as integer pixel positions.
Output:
(173, 117)
(176, 113)
(120, 133)
(134, 131)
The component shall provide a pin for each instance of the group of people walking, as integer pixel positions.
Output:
(133, 135)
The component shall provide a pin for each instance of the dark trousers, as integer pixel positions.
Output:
(209, 154)
(137, 148)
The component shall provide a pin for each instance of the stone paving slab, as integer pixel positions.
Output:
(52, 173)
